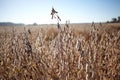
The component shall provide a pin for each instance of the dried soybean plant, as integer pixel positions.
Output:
(64, 57)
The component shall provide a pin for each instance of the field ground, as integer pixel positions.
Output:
(78, 27)
(76, 52)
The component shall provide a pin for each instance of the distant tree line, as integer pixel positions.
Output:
(11, 24)
(114, 20)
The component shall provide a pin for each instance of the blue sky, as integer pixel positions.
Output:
(77, 11)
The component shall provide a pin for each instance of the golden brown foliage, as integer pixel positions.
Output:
(64, 55)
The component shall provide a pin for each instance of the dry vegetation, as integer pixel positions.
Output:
(68, 54)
